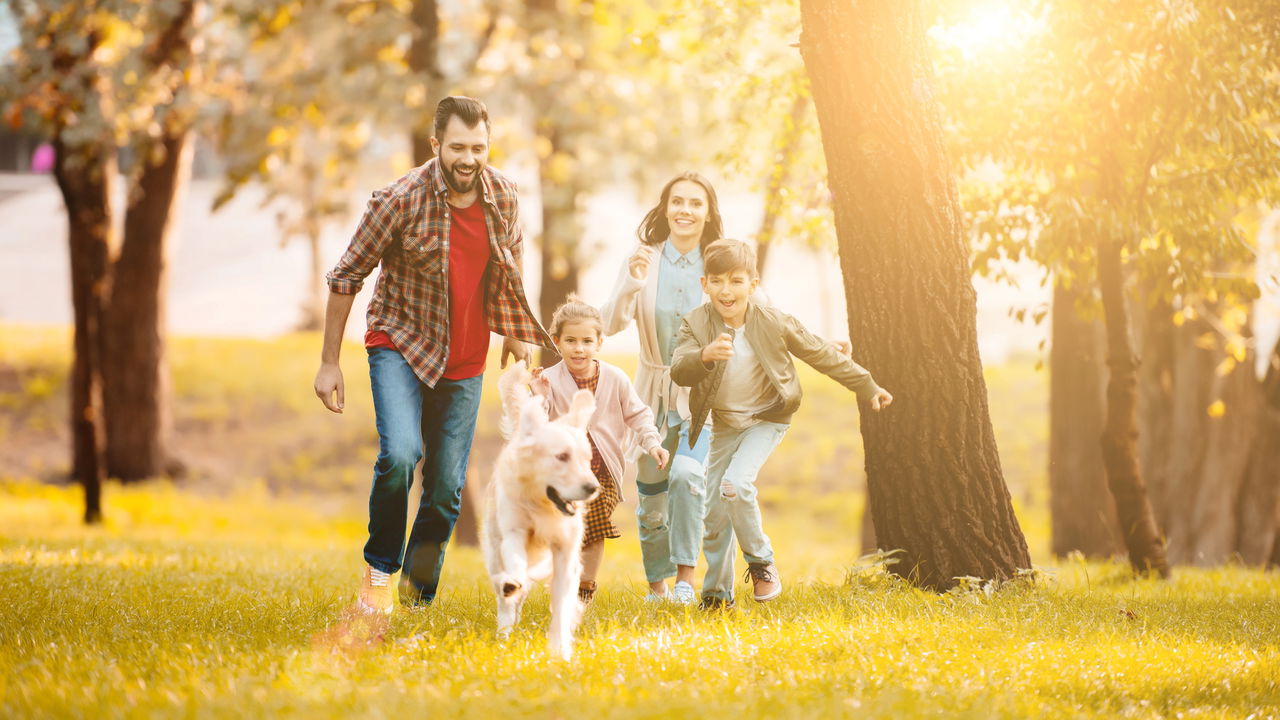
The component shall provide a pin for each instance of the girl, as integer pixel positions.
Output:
(577, 330)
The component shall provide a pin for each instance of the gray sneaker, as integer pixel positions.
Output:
(682, 594)
(766, 584)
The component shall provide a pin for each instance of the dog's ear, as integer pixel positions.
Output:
(533, 415)
(581, 408)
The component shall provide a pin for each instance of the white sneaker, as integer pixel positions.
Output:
(682, 594)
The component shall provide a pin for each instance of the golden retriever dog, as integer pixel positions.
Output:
(542, 480)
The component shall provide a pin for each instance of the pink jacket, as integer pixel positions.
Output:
(619, 413)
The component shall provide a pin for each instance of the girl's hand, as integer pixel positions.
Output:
(881, 400)
(660, 456)
(638, 264)
(720, 349)
(540, 385)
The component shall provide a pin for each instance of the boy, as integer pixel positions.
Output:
(736, 357)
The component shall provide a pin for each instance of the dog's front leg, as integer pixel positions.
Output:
(515, 564)
(509, 611)
(564, 600)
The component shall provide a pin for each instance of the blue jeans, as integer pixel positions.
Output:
(671, 505)
(736, 458)
(416, 422)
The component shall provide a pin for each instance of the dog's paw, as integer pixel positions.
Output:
(504, 634)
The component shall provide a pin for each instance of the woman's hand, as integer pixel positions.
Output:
(660, 456)
(638, 264)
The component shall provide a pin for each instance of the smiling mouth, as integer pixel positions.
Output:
(564, 507)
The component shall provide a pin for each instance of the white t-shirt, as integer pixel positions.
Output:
(745, 390)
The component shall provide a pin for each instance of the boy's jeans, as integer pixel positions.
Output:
(415, 421)
(671, 504)
(736, 458)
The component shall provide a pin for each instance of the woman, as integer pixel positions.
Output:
(657, 286)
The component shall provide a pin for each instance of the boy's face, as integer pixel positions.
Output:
(729, 293)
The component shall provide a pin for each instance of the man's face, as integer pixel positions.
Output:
(729, 293)
(463, 152)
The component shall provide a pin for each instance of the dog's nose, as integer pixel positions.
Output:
(590, 488)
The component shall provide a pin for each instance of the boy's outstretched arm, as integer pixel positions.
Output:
(826, 359)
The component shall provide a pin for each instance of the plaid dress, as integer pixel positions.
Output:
(597, 522)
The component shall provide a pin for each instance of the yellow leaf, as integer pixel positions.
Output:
(1217, 409)
(277, 136)
(1179, 318)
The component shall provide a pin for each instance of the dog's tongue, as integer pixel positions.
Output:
(564, 507)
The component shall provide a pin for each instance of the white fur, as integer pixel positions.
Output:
(526, 537)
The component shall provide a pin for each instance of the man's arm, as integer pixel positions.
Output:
(329, 377)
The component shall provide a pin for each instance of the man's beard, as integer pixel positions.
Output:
(451, 179)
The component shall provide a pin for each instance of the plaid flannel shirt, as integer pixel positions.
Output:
(406, 229)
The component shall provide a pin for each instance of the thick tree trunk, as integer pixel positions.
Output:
(936, 488)
(135, 371)
(1258, 529)
(1082, 514)
(85, 177)
(1119, 438)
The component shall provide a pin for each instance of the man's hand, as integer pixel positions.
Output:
(881, 400)
(514, 348)
(660, 456)
(720, 349)
(328, 382)
(638, 263)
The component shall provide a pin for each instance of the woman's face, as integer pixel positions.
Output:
(686, 212)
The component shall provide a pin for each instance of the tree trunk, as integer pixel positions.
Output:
(1258, 531)
(135, 371)
(560, 234)
(85, 180)
(779, 180)
(936, 488)
(1082, 514)
(1155, 402)
(424, 62)
(1119, 438)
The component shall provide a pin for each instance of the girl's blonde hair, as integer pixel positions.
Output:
(574, 310)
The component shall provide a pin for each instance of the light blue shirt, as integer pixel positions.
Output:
(679, 293)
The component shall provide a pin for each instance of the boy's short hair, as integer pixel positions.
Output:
(726, 255)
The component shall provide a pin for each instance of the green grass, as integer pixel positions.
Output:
(225, 594)
(185, 605)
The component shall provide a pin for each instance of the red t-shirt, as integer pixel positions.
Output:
(468, 260)
(468, 331)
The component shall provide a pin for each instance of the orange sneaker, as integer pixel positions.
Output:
(375, 592)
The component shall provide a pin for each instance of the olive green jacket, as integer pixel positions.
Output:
(775, 336)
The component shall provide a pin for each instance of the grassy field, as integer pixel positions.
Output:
(186, 605)
(227, 592)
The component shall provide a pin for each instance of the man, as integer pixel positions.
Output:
(448, 238)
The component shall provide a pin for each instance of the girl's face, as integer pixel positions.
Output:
(687, 209)
(578, 343)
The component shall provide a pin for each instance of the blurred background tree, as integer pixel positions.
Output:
(1133, 137)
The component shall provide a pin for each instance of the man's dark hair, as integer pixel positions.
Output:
(469, 110)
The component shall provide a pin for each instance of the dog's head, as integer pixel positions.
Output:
(556, 454)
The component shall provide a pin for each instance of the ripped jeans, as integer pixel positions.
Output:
(671, 506)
